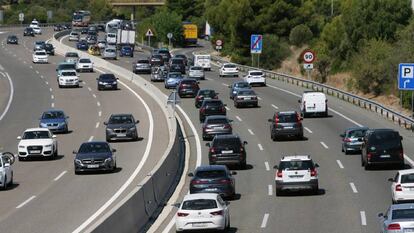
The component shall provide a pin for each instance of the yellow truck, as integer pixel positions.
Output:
(190, 33)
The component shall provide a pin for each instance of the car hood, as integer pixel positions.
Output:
(56, 120)
(38, 142)
(116, 126)
(104, 155)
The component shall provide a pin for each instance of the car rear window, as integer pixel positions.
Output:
(408, 178)
(211, 174)
(213, 103)
(84, 60)
(246, 92)
(385, 137)
(227, 142)
(359, 133)
(242, 85)
(287, 118)
(70, 73)
(67, 66)
(71, 55)
(143, 61)
(217, 121)
(196, 68)
(207, 93)
(256, 73)
(229, 66)
(296, 165)
(199, 204)
(403, 214)
(177, 61)
(188, 81)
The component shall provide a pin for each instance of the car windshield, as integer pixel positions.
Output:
(143, 61)
(227, 142)
(84, 60)
(217, 121)
(246, 92)
(120, 120)
(111, 35)
(199, 204)
(210, 174)
(110, 50)
(258, 73)
(94, 148)
(196, 68)
(213, 103)
(41, 53)
(36, 135)
(242, 85)
(358, 133)
(66, 66)
(388, 138)
(48, 46)
(107, 77)
(69, 73)
(52, 115)
(71, 55)
(176, 61)
(175, 75)
(296, 165)
(407, 178)
(403, 214)
(127, 48)
(229, 66)
(286, 118)
(207, 93)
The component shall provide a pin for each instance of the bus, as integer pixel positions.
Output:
(81, 18)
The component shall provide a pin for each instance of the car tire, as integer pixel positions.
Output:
(243, 165)
(346, 151)
(108, 139)
(279, 192)
(273, 137)
(55, 155)
(236, 105)
(367, 166)
(77, 173)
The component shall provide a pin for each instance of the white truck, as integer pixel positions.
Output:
(203, 60)
(125, 37)
(313, 103)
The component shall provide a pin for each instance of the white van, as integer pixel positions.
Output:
(111, 38)
(313, 103)
(203, 60)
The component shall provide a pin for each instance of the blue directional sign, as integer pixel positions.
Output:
(256, 43)
(406, 76)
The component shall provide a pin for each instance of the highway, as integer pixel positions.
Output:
(47, 195)
(349, 197)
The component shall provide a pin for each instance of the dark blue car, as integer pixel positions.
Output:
(126, 51)
(95, 156)
(82, 45)
(55, 121)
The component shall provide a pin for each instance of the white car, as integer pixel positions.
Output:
(37, 142)
(34, 23)
(40, 56)
(101, 44)
(74, 36)
(196, 72)
(84, 64)
(402, 187)
(313, 103)
(6, 170)
(296, 173)
(68, 78)
(37, 30)
(229, 69)
(202, 211)
(203, 60)
(255, 77)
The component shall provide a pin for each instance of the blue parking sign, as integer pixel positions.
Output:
(406, 76)
(256, 43)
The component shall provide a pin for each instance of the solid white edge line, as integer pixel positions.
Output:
(94, 96)
(264, 221)
(137, 169)
(250, 131)
(307, 129)
(97, 125)
(270, 190)
(409, 160)
(98, 103)
(340, 164)
(324, 145)
(10, 96)
(60, 175)
(238, 118)
(25, 202)
(260, 146)
(363, 218)
(225, 84)
(274, 106)
(353, 187)
(52, 105)
(89, 89)
(267, 166)
(100, 113)
(90, 138)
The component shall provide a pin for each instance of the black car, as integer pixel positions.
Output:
(182, 56)
(204, 94)
(100, 27)
(121, 127)
(213, 179)
(227, 149)
(28, 32)
(94, 156)
(286, 124)
(211, 107)
(49, 49)
(215, 125)
(188, 87)
(107, 81)
(382, 147)
(12, 39)
(57, 28)
(84, 31)
(177, 65)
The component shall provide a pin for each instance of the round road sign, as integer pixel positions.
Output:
(308, 56)
(219, 42)
(169, 35)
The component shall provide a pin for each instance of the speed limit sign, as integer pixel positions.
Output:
(308, 56)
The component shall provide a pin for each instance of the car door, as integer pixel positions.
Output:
(54, 141)
(394, 183)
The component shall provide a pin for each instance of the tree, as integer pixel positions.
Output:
(100, 10)
(300, 35)
(274, 51)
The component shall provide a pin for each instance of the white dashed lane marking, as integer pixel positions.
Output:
(340, 164)
(274, 106)
(267, 166)
(238, 118)
(260, 146)
(324, 145)
(60, 175)
(99, 113)
(97, 125)
(264, 221)
(307, 129)
(94, 96)
(98, 103)
(270, 190)
(353, 187)
(90, 139)
(25, 202)
(225, 84)
(227, 108)
(52, 105)
(250, 131)
(89, 89)
(363, 218)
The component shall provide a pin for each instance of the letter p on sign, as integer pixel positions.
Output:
(407, 72)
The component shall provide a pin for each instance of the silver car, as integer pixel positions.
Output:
(245, 97)
(399, 218)
(72, 57)
(109, 53)
(196, 72)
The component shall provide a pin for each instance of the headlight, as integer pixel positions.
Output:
(108, 160)
(43, 125)
(22, 147)
(48, 146)
(109, 129)
(114, 82)
(78, 161)
(100, 82)
(61, 79)
(132, 128)
(234, 92)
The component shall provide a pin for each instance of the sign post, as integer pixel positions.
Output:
(219, 45)
(169, 36)
(256, 45)
(149, 34)
(21, 17)
(406, 80)
(308, 57)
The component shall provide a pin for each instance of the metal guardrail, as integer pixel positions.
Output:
(42, 24)
(396, 117)
(137, 2)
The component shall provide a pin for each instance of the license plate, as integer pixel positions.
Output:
(409, 230)
(199, 224)
(217, 128)
(288, 127)
(296, 176)
(121, 135)
(226, 151)
(411, 189)
(213, 109)
(35, 152)
(207, 98)
(385, 156)
(108, 85)
(93, 166)
(211, 189)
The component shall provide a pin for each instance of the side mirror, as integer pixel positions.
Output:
(227, 203)
(137, 121)
(19, 137)
(208, 144)
(269, 120)
(342, 135)
(53, 136)
(275, 167)
(391, 179)
(74, 152)
(244, 143)
(299, 101)
(380, 215)
(316, 165)
(67, 117)
(401, 137)
(113, 150)
(105, 123)
(234, 173)
(190, 174)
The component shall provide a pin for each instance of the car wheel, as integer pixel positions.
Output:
(273, 136)
(76, 172)
(346, 151)
(66, 129)
(366, 166)
(300, 137)
(236, 105)
(108, 139)
(279, 192)
(21, 158)
(56, 152)
(228, 224)
(243, 165)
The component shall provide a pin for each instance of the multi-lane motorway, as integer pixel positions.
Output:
(44, 199)
(47, 195)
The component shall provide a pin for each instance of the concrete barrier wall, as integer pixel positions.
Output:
(142, 205)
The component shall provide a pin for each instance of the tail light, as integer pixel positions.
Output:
(298, 117)
(254, 97)
(216, 213)
(204, 128)
(225, 181)
(241, 149)
(401, 154)
(276, 120)
(212, 150)
(215, 97)
(369, 156)
(202, 110)
(394, 226)
(180, 214)
(313, 172)
(199, 182)
(223, 109)
(398, 187)
(347, 140)
(279, 174)
(227, 126)
(199, 97)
